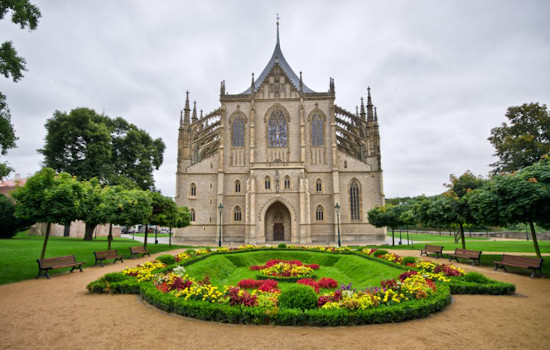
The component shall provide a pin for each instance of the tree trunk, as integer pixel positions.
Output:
(392, 237)
(462, 236)
(146, 233)
(110, 237)
(170, 237)
(48, 226)
(89, 232)
(534, 236)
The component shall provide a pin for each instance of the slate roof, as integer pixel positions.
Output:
(278, 57)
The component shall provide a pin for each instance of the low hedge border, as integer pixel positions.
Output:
(459, 286)
(294, 317)
(284, 279)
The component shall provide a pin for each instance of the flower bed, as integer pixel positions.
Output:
(422, 288)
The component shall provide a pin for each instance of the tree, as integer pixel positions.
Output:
(9, 224)
(387, 216)
(88, 145)
(26, 15)
(524, 140)
(164, 208)
(181, 218)
(50, 198)
(91, 206)
(523, 197)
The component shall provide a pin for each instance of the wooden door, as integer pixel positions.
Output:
(278, 232)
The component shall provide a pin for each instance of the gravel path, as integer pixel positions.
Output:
(60, 314)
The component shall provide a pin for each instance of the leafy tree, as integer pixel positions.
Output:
(50, 198)
(524, 140)
(88, 145)
(523, 197)
(91, 206)
(387, 216)
(7, 135)
(126, 207)
(179, 219)
(164, 208)
(9, 224)
(26, 15)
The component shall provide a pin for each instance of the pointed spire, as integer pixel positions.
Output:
(201, 113)
(375, 115)
(301, 84)
(278, 43)
(369, 106)
(181, 117)
(362, 109)
(253, 86)
(357, 110)
(186, 110)
(194, 118)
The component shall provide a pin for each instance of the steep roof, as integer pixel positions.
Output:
(279, 58)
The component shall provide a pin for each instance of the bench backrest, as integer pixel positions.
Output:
(524, 260)
(106, 254)
(467, 252)
(433, 248)
(137, 249)
(52, 262)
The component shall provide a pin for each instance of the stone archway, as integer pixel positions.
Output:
(278, 225)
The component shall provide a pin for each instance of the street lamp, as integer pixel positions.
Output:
(337, 209)
(220, 209)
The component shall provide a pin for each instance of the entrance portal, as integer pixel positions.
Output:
(277, 223)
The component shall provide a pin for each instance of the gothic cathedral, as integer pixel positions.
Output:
(279, 162)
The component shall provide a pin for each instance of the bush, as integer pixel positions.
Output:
(379, 252)
(409, 260)
(298, 297)
(190, 252)
(9, 224)
(476, 277)
(281, 246)
(167, 259)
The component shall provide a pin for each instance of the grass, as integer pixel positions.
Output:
(229, 269)
(18, 255)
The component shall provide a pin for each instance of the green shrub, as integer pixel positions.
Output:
(281, 246)
(298, 297)
(190, 252)
(476, 277)
(167, 259)
(409, 260)
(9, 224)
(379, 252)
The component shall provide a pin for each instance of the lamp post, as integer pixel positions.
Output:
(337, 209)
(220, 209)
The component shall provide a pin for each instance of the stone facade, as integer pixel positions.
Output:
(279, 157)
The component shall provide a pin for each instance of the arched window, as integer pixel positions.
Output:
(237, 186)
(192, 212)
(345, 163)
(237, 132)
(319, 185)
(267, 183)
(319, 213)
(193, 190)
(317, 130)
(287, 182)
(237, 215)
(354, 201)
(277, 130)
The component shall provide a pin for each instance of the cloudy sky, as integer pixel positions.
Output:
(442, 73)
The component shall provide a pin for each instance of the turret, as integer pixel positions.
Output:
(194, 118)
(362, 114)
(370, 115)
(186, 110)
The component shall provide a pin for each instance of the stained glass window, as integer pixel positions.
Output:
(277, 130)
(319, 213)
(317, 130)
(237, 137)
(354, 204)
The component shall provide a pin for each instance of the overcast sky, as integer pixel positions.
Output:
(442, 73)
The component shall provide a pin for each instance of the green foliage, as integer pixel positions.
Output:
(298, 296)
(114, 283)
(89, 145)
(476, 277)
(166, 259)
(379, 252)
(524, 140)
(9, 224)
(24, 13)
(281, 245)
(476, 283)
(7, 135)
(409, 260)
(127, 207)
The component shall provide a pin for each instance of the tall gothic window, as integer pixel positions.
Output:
(319, 185)
(317, 126)
(237, 215)
(192, 213)
(267, 183)
(319, 213)
(237, 186)
(354, 198)
(193, 190)
(277, 130)
(287, 182)
(237, 137)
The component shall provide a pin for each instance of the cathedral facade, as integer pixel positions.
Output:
(279, 162)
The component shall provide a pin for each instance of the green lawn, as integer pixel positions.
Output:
(18, 255)
(229, 269)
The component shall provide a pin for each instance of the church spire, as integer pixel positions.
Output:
(194, 118)
(370, 115)
(278, 43)
(362, 109)
(186, 110)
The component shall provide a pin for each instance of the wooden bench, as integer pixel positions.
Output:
(135, 251)
(520, 261)
(107, 254)
(466, 254)
(57, 263)
(438, 250)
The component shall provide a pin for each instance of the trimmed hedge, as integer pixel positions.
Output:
(284, 279)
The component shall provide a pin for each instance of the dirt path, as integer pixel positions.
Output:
(60, 314)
